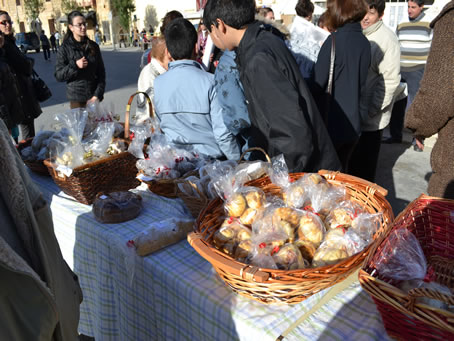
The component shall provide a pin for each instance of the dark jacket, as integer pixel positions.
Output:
(44, 40)
(82, 84)
(284, 117)
(22, 68)
(432, 110)
(10, 106)
(350, 73)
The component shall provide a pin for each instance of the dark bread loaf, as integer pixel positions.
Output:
(117, 207)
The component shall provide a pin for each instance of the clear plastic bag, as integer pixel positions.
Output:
(74, 121)
(289, 258)
(343, 214)
(140, 133)
(323, 196)
(97, 143)
(311, 228)
(117, 207)
(402, 257)
(230, 235)
(326, 255)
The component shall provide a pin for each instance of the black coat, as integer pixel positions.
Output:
(82, 84)
(350, 72)
(284, 117)
(10, 106)
(22, 68)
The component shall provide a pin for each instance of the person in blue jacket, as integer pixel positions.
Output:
(186, 102)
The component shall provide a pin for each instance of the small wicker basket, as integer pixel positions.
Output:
(431, 220)
(111, 174)
(287, 286)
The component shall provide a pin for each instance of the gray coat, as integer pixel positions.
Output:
(40, 295)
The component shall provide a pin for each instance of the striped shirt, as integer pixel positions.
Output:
(415, 38)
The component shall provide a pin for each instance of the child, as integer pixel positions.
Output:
(284, 117)
(185, 99)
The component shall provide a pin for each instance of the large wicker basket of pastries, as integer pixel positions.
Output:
(305, 261)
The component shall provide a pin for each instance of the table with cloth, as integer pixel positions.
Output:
(174, 294)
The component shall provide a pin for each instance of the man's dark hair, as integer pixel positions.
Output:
(168, 18)
(234, 13)
(341, 12)
(420, 3)
(378, 5)
(304, 8)
(181, 38)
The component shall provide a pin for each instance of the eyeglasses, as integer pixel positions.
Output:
(84, 24)
(4, 22)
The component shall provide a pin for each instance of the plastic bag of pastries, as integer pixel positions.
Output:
(230, 234)
(116, 207)
(322, 196)
(289, 257)
(282, 221)
(343, 214)
(326, 255)
(311, 228)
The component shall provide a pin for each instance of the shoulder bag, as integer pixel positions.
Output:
(42, 91)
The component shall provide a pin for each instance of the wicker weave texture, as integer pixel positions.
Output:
(293, 286)
(432, 222)
(115, 173)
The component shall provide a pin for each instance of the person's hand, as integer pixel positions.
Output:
(82, 63)
(92, 100)
(419, 143)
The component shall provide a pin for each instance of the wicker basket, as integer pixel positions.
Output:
(196, 204)
(292, 286)
(432, 222)
(111, 174)
(35, 166)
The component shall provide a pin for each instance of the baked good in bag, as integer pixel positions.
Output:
(306, 248)
(255, 199)
(236, 205)
(117, 207)
(289, 258)
(248, 216)
(311, 228)
(327, 256)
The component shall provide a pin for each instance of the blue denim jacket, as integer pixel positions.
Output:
(187, 106)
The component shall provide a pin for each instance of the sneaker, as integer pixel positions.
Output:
(391, 140)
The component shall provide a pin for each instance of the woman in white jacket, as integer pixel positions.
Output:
(157, 66)
(377, 96)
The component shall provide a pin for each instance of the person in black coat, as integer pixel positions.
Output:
(10, 107)
(80, 65)
(283, 114)
(352, 60)
(22, 68)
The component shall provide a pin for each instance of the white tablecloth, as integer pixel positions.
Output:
(175, 294)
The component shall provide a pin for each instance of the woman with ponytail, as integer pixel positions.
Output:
(80, 65)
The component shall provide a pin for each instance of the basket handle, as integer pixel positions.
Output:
(128, 109)
(244, 271)
(424, 292)
(254, 148)
(371, 187)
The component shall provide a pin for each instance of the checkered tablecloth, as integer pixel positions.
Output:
(174, 293)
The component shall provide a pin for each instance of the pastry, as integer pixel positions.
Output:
(236, 205)
(311, 228)
(255, 199)
(334, 237)
(287, 214)
(339, 217)
(294, 196)
(224, 235)
(248, 216)
(243, 249)
(327, 256)
(289, 258)
(243, 234)
(306, 248)
(288, 229)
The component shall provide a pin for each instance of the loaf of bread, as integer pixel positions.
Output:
(117, 207)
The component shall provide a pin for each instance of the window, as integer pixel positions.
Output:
(17, 2)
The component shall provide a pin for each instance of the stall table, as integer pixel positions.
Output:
(174, 294)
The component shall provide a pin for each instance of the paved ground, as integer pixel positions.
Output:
(401, 170)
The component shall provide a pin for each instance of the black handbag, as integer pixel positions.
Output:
(42, 91)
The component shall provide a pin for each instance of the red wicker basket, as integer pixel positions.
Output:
(431, 220)
(35, 166)
(287, 286)
(111, 174)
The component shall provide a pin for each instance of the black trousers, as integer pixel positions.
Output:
(364, 159)
(344, 152)
(46, 52)
(396, 125)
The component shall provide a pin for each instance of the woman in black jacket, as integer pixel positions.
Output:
(80, 65)
(22, 68)
(352, 59)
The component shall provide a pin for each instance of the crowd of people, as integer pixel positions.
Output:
(320, 94)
